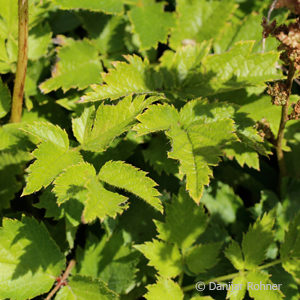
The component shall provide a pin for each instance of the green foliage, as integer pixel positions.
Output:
(147, 153)
(30, 259)
(77, 67)
(80, 287)
(151, 23)
(164, 289)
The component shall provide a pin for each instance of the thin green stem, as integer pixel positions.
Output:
(18, 93)
(231, 276)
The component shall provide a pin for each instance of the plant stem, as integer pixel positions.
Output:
(283, 121)
(18, 93)
(231, 276)
(62, 280)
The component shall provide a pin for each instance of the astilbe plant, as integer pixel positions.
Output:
(149, 150)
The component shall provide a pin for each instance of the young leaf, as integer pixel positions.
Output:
(184, 223)
(254, 252)
(164, 288)
(81, 287)
(164, 257)
(203, 257)
(151, 23)
(78, 66)
(51, 160)
(131, 179)
(29, 259)
(134, 77)
(113, 120)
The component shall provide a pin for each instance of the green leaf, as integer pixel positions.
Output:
(194, 20)
(254, 252)
(109, 259)
(82, 125)
(233, 70)
(157, 118)
(260, 287)
(106, 6)
(156, 155)
(184, 222)
(79, 183)
(198, 147)
(151, 23)
(101, 202)
(70, 183)
(113, 120)
(48, 132)
(164, 288)
(131, 179)
(29, 259)
(176, 66)
(136, 77)
(51, 160)
(82, 288)
(39, 40)
(203, 257)
(238, 289)
(78, 66)
(221, 202)
(5, 99)
(290, 249)
(234, 253)
(164, 257)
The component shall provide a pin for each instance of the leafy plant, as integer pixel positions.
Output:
(156, 153)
